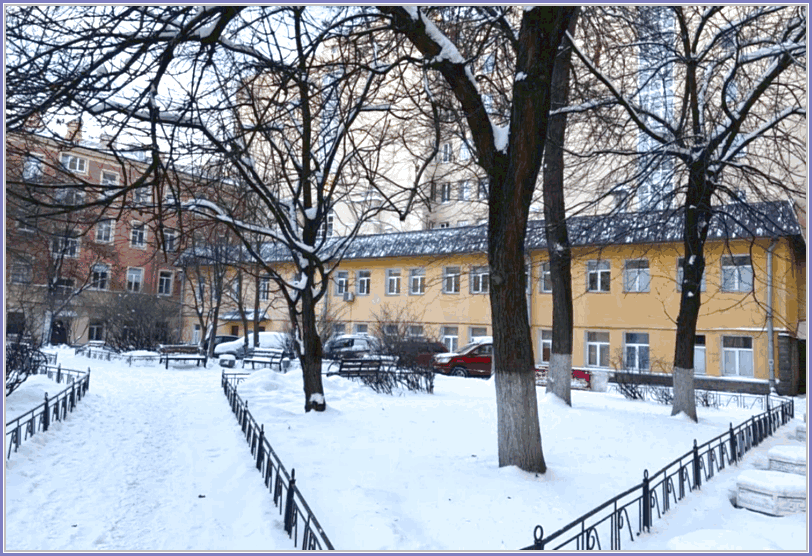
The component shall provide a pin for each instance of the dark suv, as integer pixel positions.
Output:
(414, 352)
(471, 360)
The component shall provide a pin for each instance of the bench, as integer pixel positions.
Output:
(358, 367)
(265, 356)
(181, 353)
(788, 459)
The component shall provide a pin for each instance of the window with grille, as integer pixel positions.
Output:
(636, 276)
(451, 279)
(417, 281)
(737, 274)
(598, 275)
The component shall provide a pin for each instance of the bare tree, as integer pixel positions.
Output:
(716, 96)
(511, 157)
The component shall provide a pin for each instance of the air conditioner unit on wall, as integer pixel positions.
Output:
(349, 296)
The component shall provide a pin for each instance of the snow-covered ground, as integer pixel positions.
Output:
(126, 470)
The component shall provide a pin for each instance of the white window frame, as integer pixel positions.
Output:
(342, 282)
(100, 277)
(473, 332)
(109, 178)
(602, 270)
(681, 276)
(142, 195)
(105, 230)
(65, 246)
(733, 269)
(265, 288)
(634, 345)
(363, 282)
(393, 281)
(170, 240)
(135, 227)
(545, 341)
(737, 354)
(417, 281)
(133, 285)
(480, 280)
(545, 278)
(326, 227)
(601, 347)
(74, 164)
(165, 277)
(451, 280)
(636, 277)
(465, 151)
(95, 331)
(451, 337)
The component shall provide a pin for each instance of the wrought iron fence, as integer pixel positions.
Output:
(104, 354)
(286, 496)
(53, 409)
(704, 398)
(632, 512)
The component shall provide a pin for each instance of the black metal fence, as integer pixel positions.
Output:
(39, 419)
(704, 398)
(104, 354)
(632, 512)
(286, 496)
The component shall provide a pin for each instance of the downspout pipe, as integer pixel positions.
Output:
(770, 338)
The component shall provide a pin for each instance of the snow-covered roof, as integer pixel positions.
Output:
(739, 221)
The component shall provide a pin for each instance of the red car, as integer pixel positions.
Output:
(472, 360)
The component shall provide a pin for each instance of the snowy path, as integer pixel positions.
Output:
(151, 459)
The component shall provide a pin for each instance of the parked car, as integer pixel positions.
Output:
(415, 352)
(278, 340)
(351, 346)
(219, 340)
(471, 360)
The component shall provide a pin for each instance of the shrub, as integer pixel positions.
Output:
(22, 360)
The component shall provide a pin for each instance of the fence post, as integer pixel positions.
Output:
(260, 455)
(646, 503)
(697, 470)
(289, 503)
(732, 444)
(46, 417)
(87, 381)
(59, 374)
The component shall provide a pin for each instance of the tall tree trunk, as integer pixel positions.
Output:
(257, 280)
(555, 229)
(697, 220)
(311, 351)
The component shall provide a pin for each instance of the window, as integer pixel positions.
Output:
(446, 152)
(480, 279)
(265, 288)
(681, 274)
(138, 235)
(235, 329)
(699, 354)
(339, 329)
(362, 280)
(598, 276)
(165, 282)
(637, 353)
(170, 239)
(390, 330)
(326, 228)
(462, 223)
(100, 277)
(393, 281)
(451, 279)
(26, 224)
(141, 195)
(476, 332)
(465, 151)
(597, 349)
(636, 276)
(737, 274)
(417, 281)
(545, 280)
(482, 188)
(489, 64)
(415, 330)
(465, 190)
(196, 334)
(737, 355)
(70, 196)
(65, 246)
(21, 272)
(341, 280)
(200, 293)
(445, 192)
(444, 225)
(135, 278)
(74, 163)
(104, 231)
(546, 347)
(109, 178)
(95, 332)
(451, 337)
(361, 328)
(32, 168)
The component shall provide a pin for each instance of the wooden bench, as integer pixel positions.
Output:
(358, 367)
(181, 353)
(265, 356)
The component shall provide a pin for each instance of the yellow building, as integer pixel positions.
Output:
(626, 277)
